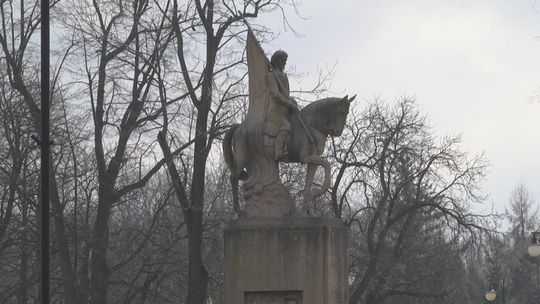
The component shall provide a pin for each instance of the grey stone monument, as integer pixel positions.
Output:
(291, 260)
(274, 253)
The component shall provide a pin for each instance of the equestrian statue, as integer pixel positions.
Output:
(276, 130)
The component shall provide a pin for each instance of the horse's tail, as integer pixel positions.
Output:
(229, 154)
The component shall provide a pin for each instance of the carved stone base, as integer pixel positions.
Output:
(286, 260)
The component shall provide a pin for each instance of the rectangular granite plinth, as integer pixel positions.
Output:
(289, 260)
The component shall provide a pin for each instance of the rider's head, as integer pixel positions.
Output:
(279, 59)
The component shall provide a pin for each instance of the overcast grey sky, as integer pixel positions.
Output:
(473, 67)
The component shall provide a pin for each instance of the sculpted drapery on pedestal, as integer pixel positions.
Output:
(275, 130)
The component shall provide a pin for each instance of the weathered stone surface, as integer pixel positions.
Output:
(286, 260)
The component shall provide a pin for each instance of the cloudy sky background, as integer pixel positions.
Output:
(473, 67)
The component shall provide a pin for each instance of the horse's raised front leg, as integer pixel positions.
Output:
(313, 161)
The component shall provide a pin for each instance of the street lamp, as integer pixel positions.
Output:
(534, 252)
(491, 293)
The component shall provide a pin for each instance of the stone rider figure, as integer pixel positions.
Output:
(282, 106)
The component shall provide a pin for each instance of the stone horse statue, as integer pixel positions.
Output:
(249, 151)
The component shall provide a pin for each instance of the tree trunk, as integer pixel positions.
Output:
(23, 271)
(193, 215)
(68, 277)
(198, 275)
(100, 270)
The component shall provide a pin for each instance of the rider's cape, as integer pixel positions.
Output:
(258, 67)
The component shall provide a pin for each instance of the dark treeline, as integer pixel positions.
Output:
(142, 92)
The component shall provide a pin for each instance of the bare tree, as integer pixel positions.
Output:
(395, 184)
(19, 23)
(522, 215)
(519, 266)
(18, 178)
(123, 95)
(217, 25)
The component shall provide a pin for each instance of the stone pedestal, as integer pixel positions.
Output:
(286, 260)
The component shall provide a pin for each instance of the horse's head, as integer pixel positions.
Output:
(329, 115)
